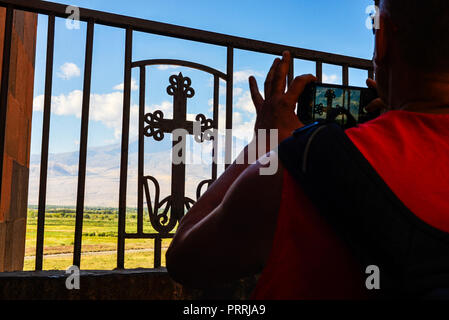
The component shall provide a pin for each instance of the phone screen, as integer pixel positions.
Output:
(343, 104)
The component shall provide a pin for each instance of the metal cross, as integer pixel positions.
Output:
(181, 90)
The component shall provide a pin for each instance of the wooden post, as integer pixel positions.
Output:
(18, 45)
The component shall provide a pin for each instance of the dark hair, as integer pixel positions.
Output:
(423, 32)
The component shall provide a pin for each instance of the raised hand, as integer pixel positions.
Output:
(277, 109)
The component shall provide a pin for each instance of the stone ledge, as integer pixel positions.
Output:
(136, 284)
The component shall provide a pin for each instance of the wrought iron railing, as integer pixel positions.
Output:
(150, 125)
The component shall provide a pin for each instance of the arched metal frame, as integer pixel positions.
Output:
(166, 213)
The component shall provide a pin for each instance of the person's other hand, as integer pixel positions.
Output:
(377, 104)
(277, 110)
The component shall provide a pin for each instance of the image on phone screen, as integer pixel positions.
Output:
(342, 104)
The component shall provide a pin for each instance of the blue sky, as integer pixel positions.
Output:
(332, 26)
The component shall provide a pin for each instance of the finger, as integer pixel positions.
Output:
(376, 104)
(269, 80)
(371, 83)
(280, 75)
(255, 93)
(297, 87)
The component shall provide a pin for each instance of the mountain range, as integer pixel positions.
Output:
(103, 174)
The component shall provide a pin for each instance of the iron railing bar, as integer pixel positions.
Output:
(345, 75)
(349, 100)
(164, 29)
(148, 235)
(157, 252)
(216, 115)
(83, 144)
(319, 71)
(181, 63)
(371, 73)
(45, 143)
(229, 104)
(291, 72)
(124, 151)
(4, 90)
(142, 87)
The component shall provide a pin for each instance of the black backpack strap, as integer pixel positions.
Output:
(376, 225)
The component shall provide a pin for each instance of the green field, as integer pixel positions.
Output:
(99, 242)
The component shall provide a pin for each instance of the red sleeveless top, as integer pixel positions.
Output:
(410, 151)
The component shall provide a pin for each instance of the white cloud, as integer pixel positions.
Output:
(166, 107)
(245, 102)
(333, 78)
(210, 103)
(108, 108)
(62, 105)
(243, 75)
(237, 117)
(244, 130)
(68, 71)
(166, 67)
(242, 124)
(121, 87)
(105, 108)
(238, 92)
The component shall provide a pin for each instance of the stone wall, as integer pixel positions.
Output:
(16, 155)
(138, 284)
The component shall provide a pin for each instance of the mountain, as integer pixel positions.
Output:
(103, 174)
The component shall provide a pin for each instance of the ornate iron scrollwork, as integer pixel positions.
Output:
(201, 185)
(179, 83)
(165, 214)
(318, 109)
(188, 203)
(153, 129)
(160, 216)
(330, 95)
(162, 222)
(206, 125)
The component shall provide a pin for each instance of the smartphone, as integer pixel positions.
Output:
(343, 104)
